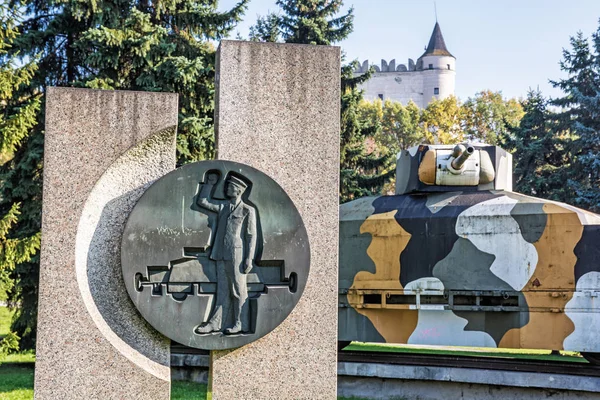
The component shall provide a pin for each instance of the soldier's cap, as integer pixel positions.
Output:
(237, 181)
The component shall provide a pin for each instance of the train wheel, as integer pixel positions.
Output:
(342, 344)
(593, 358)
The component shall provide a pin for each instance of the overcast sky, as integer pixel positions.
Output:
(505, 45)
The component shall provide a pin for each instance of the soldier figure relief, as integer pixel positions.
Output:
(203, 267)
(233, 248)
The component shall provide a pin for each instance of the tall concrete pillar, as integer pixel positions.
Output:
(102, 150)
(278, 110)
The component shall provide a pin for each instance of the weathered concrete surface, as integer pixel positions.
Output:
(277, 110)
(383, 381)
(386, 381)
(102, 149)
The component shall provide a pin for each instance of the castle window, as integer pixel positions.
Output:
(430, 66)
(436, 90)
(448, 66)
(380, 95)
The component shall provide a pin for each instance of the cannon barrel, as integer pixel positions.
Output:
(461, 154)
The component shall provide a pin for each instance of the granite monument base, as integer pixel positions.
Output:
(278, 110)
(102, 149)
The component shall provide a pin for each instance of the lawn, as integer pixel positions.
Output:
(530, 354)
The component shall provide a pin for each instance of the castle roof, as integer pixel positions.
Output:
(437, 46)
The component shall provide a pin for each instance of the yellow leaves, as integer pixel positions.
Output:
(484, 118)
(441, 121)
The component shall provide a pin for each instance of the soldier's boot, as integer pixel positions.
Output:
(206, 327)
(237, 328)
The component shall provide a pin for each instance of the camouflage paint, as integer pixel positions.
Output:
(582, 309)
(541, 254)
(435, 324)
(552, 284)
(388, 241)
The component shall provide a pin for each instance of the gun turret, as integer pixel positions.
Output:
(460, 154)
(444, 168)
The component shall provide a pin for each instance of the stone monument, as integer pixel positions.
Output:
(102, 150)
(239, 253)
(278, 110)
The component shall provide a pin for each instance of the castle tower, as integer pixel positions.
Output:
(432, 76)
(438, 68)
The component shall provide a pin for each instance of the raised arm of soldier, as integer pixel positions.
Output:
(204, 198)
(251, 232)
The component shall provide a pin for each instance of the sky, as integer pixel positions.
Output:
(501, 45)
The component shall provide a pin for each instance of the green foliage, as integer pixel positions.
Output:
(580, 114)
(487, 117)
(538, 145)
(19, 109)
(401, 126)
(314, 21)
(442, 121)
(266, 29)
(162, 46)
(9, 341)
(363, 172)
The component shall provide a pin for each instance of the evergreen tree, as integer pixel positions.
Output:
(539, 151)
(314, 21)
(362, 173)
(109, 44)
(581, 115)
(19, 107)
(163, 46)
(317, 22)
(266, 29)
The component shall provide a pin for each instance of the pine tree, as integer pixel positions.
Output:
(539, 150)
(19, 107)
(314, 21)
(109, 44)
(362, 173)
(163, 46)
(317, 22)
(581, 116)
(266, 29)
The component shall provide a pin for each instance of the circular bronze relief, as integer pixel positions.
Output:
(215, 255)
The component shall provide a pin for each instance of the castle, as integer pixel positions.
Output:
(432, 76)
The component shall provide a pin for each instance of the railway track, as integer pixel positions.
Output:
(479, 362)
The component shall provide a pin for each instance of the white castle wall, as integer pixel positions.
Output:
(399, 86)
(416, 83)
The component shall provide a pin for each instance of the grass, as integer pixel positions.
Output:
(16, 381)
(530, 354)
(188, 391)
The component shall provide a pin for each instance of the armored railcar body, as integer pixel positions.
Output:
(456, 258)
